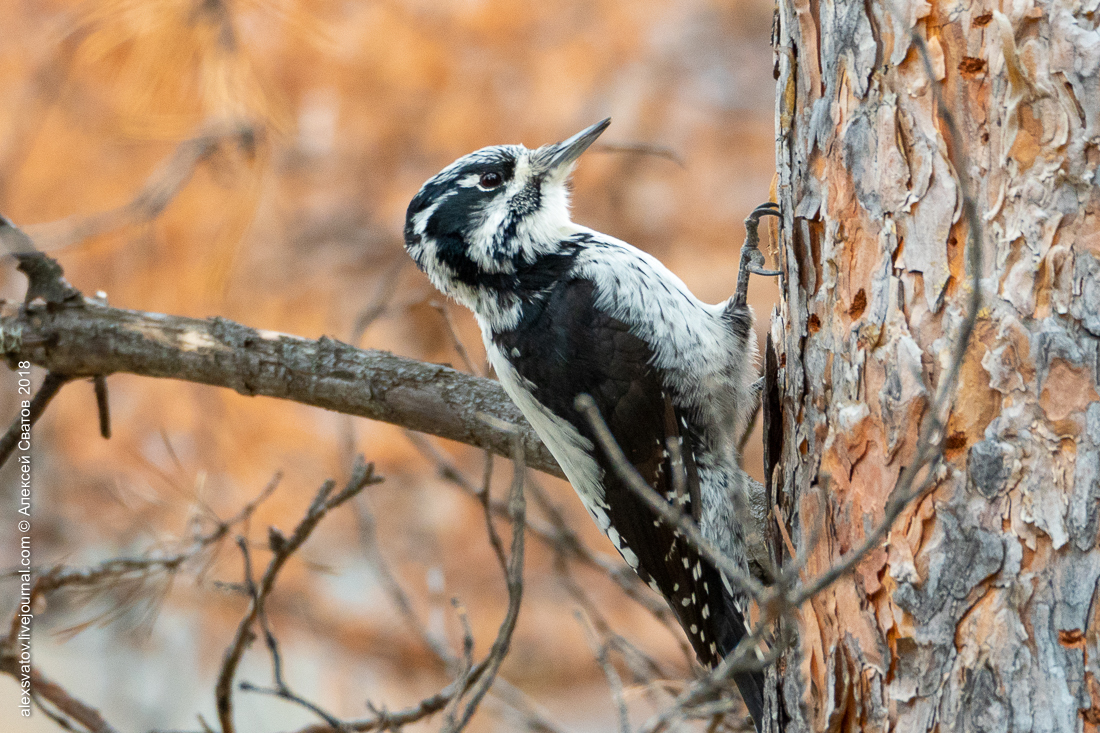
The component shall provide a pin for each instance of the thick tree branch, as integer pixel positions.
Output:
(88, 339)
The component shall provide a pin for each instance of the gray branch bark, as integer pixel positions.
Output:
(85, 338)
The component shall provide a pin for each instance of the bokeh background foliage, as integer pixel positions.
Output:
(253, 160)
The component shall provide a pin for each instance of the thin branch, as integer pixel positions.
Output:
(513, 578)
(159, 190)
(281, 688)
(362, 475)
(568, 545)
(642, 665)
(669, 512)
(109, 571)
(103, 406)
(465, 666)
(383, 720)
(68, 710)
(717, 680)
(508, 693)
(614, 681)
(533, 718)
(485, 496)
(368, 540)
(484, 670)
(560, 536)
(22, 424)
(456, 341)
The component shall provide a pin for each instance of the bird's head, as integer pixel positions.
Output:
(480, 221)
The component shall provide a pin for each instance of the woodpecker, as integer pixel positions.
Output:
(565, 310)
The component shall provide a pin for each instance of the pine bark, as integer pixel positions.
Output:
(981, 609)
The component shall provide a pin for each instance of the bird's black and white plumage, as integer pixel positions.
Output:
(565, 310)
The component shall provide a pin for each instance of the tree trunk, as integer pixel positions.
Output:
(980, 610)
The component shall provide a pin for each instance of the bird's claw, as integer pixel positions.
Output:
(769, 208)
(765, 273)
(752, 259)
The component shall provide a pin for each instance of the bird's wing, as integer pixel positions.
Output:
(566, 346)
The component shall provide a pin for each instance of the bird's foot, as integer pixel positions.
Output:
(752, 259)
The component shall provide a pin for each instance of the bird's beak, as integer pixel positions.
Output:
(561, 155)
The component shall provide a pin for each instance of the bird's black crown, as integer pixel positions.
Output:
(490, 215)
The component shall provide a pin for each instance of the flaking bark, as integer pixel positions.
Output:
(981, 610)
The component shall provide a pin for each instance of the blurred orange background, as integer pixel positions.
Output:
(296, 227)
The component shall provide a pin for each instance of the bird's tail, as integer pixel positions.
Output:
(751, 687)
(731, 630)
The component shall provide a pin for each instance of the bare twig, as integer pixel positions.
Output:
(456, 342)
(281, 691)
(66, 707)
(640, 149)
(479, 677)
(22, 424)
(669, 512)
(158, 192)
(534, 719)
(560, 536)
(513, 578)
(642, 665)
(103, 406)
(717, 680)
(368, 539)
(109, 571)
(466, 665)
(614, 681)
(281, 688)
(362, 475)
(485, 496)
(568, 545)
(383, 720)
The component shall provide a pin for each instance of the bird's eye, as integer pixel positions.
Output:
(490, 180)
